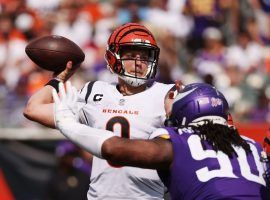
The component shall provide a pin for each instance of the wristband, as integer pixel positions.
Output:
(54, 83)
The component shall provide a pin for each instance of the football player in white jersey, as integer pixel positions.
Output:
(132, 108)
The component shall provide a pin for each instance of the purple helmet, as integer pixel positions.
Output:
(198, 102)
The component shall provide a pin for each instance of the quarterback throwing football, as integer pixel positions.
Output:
(133, 108)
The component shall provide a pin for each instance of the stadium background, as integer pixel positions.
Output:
(222, 42)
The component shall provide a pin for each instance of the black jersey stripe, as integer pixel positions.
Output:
(85, 117)
(89, 90)
(81, 89)
(173, 88)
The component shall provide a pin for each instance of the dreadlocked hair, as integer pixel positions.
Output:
(221, 137)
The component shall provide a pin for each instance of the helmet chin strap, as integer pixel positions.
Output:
(214, 119)
(132, 81)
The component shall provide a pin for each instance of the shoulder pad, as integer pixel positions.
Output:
(160, 132)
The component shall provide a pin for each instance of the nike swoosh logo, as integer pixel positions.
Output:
(182, 95)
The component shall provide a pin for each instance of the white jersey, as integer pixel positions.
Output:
(135, 117)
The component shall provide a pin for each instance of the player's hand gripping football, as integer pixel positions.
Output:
(65, 105)
(64, 75)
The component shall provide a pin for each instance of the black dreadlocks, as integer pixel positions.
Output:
(221, 137)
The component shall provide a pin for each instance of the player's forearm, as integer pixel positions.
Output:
(151, 154)
(88, 138)
(39, 107)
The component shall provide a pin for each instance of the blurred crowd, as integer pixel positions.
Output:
(221, 42)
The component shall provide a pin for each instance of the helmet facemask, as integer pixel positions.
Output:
(133, 73)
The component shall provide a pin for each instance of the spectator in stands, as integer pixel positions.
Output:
(211, 58)
(70, 180)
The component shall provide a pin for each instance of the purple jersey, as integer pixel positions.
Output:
(198, 173)
(265, 5)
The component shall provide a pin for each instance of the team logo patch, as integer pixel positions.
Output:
(215, 102)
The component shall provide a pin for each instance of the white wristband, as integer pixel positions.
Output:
(90, 139)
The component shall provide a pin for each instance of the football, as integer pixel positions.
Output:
(53, 52)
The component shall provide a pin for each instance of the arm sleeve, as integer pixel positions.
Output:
(88, 138)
